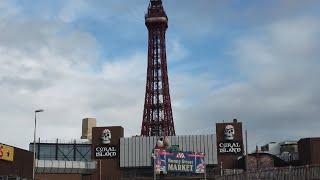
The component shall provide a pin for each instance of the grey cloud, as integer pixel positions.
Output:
(279, 96)
(42, 69)
(58, 75)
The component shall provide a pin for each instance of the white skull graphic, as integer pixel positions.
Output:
(229, 132)
(106, 136)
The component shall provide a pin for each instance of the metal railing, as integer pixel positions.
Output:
(286, 173)
(64, 141)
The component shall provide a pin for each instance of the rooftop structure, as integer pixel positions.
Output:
(87, 125)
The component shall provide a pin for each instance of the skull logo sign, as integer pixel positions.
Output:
(106, 136)
(229, 132)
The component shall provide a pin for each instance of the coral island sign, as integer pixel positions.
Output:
(106, 152)
(229, 144)
(229, 147)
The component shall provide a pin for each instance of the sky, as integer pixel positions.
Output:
(256, 61)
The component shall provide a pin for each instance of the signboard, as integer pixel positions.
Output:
(188, 162)
(106, 152)
(6, 152)
(229, 144)
(231, 147)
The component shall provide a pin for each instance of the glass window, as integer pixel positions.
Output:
(31, 147)
(47, 152)
(83, 152)
(65, 152)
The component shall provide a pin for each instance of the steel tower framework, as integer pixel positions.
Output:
(157, 114)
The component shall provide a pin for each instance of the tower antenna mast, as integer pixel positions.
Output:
(157, 114)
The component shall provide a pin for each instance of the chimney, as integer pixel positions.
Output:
(87, 125)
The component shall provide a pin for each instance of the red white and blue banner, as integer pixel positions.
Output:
(188, 162)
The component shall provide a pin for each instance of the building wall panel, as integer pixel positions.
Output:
(122, 153)
(126, 149)
(138, 150)
(144, 151)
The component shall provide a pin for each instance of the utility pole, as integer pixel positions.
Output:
(99, 169)
(154, 166)
(205, 172)
(246, 157)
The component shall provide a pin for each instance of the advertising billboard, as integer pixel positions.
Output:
(6, 152)
(188, 162)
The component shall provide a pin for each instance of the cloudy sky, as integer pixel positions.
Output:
(257, 61)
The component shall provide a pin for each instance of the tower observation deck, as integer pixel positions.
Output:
(157, 114)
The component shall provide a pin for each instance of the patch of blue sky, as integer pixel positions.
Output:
(39, 9)
(115, 37)
(119, 36)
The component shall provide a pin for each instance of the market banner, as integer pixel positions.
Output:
(6, 152)
(189, 162)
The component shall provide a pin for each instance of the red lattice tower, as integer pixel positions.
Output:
(157, 114)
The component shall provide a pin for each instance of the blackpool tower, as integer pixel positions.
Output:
(157, 114)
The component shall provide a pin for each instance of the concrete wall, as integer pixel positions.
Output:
(87, 125)
(64, 177)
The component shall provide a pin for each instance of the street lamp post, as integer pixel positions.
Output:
(34, 142)
(154, 166)
(205, 171)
